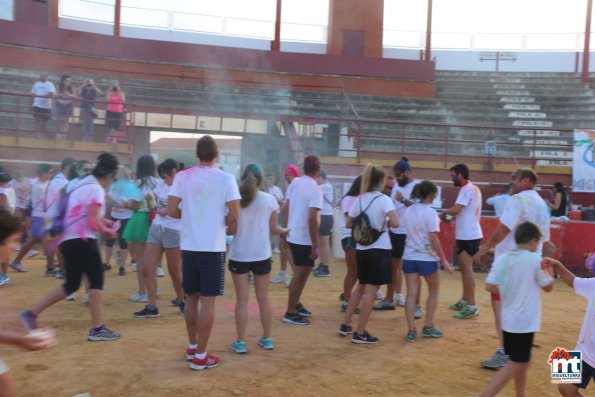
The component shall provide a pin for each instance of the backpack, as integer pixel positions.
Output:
(362, 232)
(58, 225)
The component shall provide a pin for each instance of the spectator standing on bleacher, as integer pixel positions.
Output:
(499, 200)
(88, 93)
(559, 207)
(64, 108)
(114, 111)
(42, 102)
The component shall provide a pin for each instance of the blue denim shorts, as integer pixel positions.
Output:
(424, 268)
(38, 226)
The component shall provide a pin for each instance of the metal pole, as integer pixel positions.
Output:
(585, 75)
(276, 44)
(429, 33)
(117, 12)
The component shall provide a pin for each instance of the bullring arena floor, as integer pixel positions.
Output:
(307, 361)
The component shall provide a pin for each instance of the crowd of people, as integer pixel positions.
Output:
(389, 232)
(85, 97)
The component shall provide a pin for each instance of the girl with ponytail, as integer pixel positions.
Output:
(250, 252)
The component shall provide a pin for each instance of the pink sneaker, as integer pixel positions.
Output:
(210, 361)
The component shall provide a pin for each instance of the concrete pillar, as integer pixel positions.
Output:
(355, 28)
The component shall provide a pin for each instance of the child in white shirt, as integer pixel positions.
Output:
(517, 276)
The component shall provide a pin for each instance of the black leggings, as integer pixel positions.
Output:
(123, 243)
(81, 257)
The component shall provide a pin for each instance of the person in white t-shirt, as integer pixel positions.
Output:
(164, 237)
(584, 287)
(326, 226)
(347, 242)
(524, 205)
(373, 260)
(8, 202)
(499, 200)
(250, 253)
(304, 201)
(38, 215)
(467, 210)
(422, 257)
(517, 276)
(207, 200)
(276, 191)
(43, 90)
(78, 244)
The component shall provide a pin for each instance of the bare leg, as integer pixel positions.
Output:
(354, 302)
(412, 281)
(138, 249)
(397, 266)
(108, 253)
(512, 369)
(174, 268)
(96, 307)
(26, 248)
(497, 308)
(56, 294)
(300, 276)
(240, 283)
(8, 387)
(205, 322)
(468, 277)
(325, 249)
(151, 257)
(261, 284)
(366, 306)
(433, 282)
(191, 317)
(285, 257)
(569, 390)
(351, 275)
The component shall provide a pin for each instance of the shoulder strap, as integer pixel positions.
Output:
(368, 206)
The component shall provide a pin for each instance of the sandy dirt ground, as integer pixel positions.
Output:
(307, 361)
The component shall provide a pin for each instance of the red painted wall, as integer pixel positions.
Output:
(353, 16)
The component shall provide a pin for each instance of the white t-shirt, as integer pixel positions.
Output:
(54, 193)
(251, 241)
(162, 193)
(37, 199)
(519, 278)
(85, 193)
(498, 203)
(11, 197)
(467, 225)
(377, 213)
(400, 207)
(524, 206)
(147, 188)
(303, 193)
(23, 192)
(420, 220)
(327, 199)
(346, 204)
(585, 287)
(276, 191)
(43, 88)
(204, 192)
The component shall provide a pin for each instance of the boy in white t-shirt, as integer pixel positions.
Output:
(517, 277)
(43, 90)
(584, 287)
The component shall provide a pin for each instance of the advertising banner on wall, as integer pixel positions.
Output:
(583, 167)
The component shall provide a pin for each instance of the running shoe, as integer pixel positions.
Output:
(106, 267)
(102, 333)
(294, 318)
(411, 336)
(431, 332)
(498, 360)
(342, 297)
(280, 277)
(322, 271)
(86, 298)
(345, 329)
(121, 271)
(251, 279)
(137, 297)
(384, 305)
(364, 338)
(399, 300)
(18, 267)
(189, 354)
(71, 297)
(458, 306)
(210, 361)
(276, 251)
(345, 305)
(32, 253)
(288, 281)
(418, 313)
(379, 294)
(159, 272)
(147, 313)
(4, 279)
(28, 320)
(238, 346)
(467, 312)
(133, 266)
(60, 274)
(302, 311)
(51, 272)
(182, 307)
(266, 343)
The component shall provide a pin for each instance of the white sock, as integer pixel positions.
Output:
(472, 307)
(201, 356)
(501, 350)
(192, 346)
(283, 272)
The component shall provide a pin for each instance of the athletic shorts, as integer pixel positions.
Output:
(121, 241)
(348, 244)
(326, 225)
(3, 367)
(113, 119)
(587, 374)
(203, 272)
(37, 226)
(423, 268)
(398, 243)
(81, 257)
(471, 247)
(374, 266)
(258, 268)
(301, 255)
(42, 113)
(518, 346)
(163, 236)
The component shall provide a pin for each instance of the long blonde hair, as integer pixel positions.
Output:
(371, 177)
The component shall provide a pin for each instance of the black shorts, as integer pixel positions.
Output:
(81, 257)
(121, 242)
(326, 225)
(398, 243)
(301, 255)
(348, 244)
(587, 374)
(42, 113)
(471, 247)
(258, 268)
(203, 272)
(374, 266)
(518, 346)
(113, 119)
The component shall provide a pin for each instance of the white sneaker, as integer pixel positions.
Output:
(417, 312)
(379, 294)
(144, 298)
(399, 300)
(32, 253)
(133, 266)
(281, 277)
(276, 251)
(71, 297)
(288, 281)
(86, 298)
(159, 272)
(137, 297)
(251, 279)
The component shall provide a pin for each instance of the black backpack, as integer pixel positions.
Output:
(362, 231)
